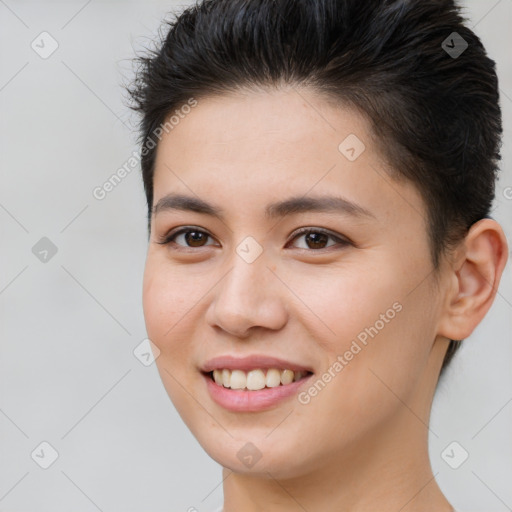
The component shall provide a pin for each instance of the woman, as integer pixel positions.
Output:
(319, 176)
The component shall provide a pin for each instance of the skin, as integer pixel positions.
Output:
(360, 444)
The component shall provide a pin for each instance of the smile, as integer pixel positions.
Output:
(256, 379)
(253, 383)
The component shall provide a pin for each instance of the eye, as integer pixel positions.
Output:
(316, 238)
(192, 237)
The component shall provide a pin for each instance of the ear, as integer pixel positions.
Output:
(474, 279)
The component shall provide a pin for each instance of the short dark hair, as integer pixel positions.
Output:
(434, 111)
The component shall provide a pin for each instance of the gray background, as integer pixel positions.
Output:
(68, 375)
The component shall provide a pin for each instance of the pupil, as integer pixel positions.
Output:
(316, 238)
(194, 236)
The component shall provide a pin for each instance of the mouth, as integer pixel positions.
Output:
(253, 383)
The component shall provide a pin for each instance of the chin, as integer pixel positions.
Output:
(283, 457)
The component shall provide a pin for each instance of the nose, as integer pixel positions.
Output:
(250, 296)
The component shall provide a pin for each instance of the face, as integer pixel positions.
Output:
(295, 251)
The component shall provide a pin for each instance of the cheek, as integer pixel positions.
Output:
(387, 358)
(377, 316)
(338, 304)
(165, 299)
(165, 307)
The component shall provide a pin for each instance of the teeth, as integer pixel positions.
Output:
(273, 378)
(238, 379)
(286, 377)
(217, 377)
(255, 379)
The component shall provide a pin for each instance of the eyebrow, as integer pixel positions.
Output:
(293, 205)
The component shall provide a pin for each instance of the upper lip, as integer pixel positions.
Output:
(253, 362)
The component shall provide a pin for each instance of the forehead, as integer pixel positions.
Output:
(263, 125)
(253, 148)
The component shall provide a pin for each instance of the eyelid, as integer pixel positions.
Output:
(173, 233)
(312, 229)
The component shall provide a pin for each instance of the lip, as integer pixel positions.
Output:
(252, 362)
(237, 400)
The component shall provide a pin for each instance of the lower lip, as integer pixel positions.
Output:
(251, 401)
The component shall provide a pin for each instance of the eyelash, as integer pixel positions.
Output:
(169, 238)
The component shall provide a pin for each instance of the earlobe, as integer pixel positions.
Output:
(475, 279)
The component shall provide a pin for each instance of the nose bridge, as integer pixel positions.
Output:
(248, 294)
